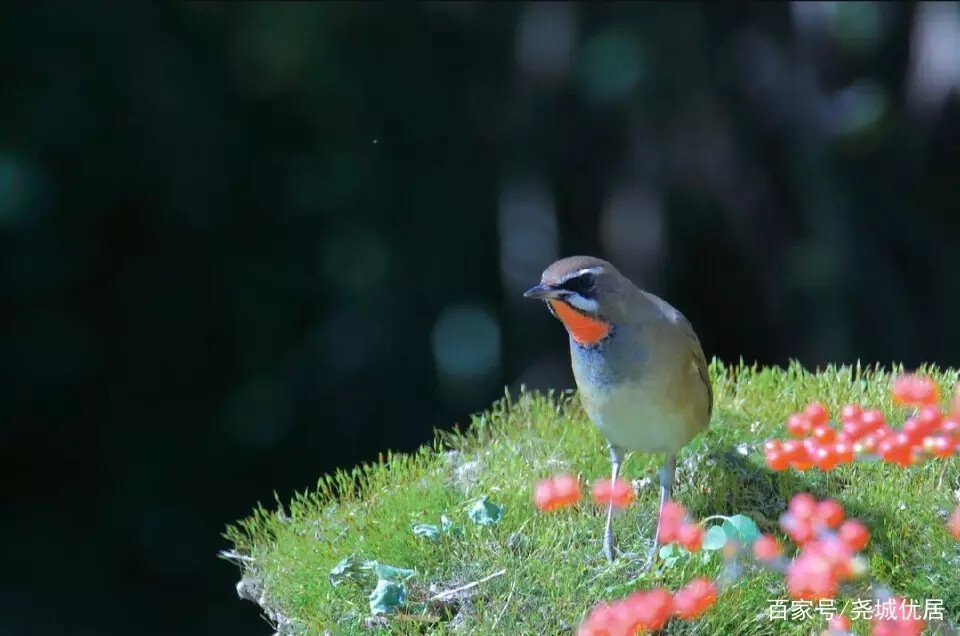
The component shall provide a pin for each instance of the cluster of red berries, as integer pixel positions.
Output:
(675, 526)
(828, 556)
(828, 545)
(865, 432)
(556, 492)
(899, 622)
(564, 490)
(649, 610)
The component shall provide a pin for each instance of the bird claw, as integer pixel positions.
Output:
(651, 557)
(609, 555)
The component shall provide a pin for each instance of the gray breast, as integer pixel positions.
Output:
(611, 361)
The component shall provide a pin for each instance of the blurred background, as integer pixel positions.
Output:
(245, 244)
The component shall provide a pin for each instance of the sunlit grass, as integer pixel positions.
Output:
(553, 569)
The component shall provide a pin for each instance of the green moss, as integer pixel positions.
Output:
(553, 570)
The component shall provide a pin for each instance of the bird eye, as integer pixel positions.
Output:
(584, 284)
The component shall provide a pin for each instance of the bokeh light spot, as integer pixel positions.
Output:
(529, 239)
(545, 39)
(466, 341)
(14, 188)
(611, 65)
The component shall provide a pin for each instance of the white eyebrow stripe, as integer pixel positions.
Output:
(580, 272)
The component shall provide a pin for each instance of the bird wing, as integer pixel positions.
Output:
(699, 360)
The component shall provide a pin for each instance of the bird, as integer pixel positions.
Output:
(638, 365)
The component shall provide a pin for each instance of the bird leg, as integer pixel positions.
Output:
(609, 541)
(667, 476)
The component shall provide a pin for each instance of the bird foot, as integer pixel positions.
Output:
(610, 550)
(651, 558)
(609, 555)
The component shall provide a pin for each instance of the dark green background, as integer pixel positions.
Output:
(243, 245)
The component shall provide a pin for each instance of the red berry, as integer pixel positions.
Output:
(915, 390)
(799, 425)
(777, 460)
(954, 524)
(939, 445)
(796, 454)
(816, 413)
(951, 426)
(671, 518)
(854, 429)
(829, 513)
(913, 430)
(896, 449)
(649, 610)
(803, 505)
(771, 445)
(868, 444)
(766, 548)
(839, 623)
(673, 513)
(872, 420)
(694, 599)
(824, 433)
(843, 451)
(566, 488)
(883, 432)
(930, 417)
(690, 536)
(825, 459)
(799, 530)
(895, 618)
(854, 534)
(792, 449)
(606, 619)
(621, 493)
(543, 495)
(551, 494)
(850, 412)
(838, 554)
(810, 577)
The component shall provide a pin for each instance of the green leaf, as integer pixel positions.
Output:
(715, 538)
(672, 553)
(741, 529)
(350, 568)
(485, 512)
(390, 573)
(387, 596)
(427, 531)
(449, 527)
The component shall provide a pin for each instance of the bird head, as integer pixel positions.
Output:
(585, 293)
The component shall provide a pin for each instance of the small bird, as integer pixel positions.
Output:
(639, 367)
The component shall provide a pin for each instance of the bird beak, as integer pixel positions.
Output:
(541, 291)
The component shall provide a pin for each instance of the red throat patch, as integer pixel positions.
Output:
(583, 329)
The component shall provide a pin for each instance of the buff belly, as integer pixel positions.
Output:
(638, 417)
